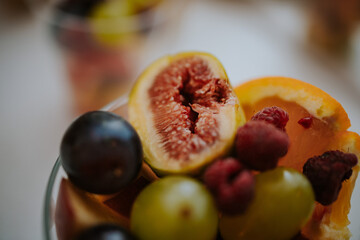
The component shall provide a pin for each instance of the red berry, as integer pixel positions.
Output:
(306, 122)
(232, 185)
(274, 115)
(327, 172)
(259, 145)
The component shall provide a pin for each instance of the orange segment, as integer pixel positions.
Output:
(315, 101)
(327, 132)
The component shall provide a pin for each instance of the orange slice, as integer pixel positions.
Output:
(328, 131)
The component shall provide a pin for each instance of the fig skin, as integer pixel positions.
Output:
(230, 118)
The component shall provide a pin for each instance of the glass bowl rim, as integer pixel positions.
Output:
(47, 213)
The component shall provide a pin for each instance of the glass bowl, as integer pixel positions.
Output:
(101, 55)
(119, 107)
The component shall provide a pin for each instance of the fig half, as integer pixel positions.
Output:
(185, 112)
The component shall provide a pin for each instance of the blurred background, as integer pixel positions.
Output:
(61, 58)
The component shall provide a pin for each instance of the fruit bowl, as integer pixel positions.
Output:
(234, 142)
(119, 107)
(52, 190)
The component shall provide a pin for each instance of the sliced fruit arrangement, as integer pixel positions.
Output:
(230, 174)
(185, 111)
(314, 117)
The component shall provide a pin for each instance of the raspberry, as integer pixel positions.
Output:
(274, 115)
(259, 145)
(232, 185)
(327, 172)
(306, 122)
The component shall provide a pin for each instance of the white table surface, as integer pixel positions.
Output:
(251, 40)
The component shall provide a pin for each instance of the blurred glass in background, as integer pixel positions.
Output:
(101, 43)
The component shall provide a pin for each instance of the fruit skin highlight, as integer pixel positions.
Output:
(284, 201)
(176, 208)
(229, 117)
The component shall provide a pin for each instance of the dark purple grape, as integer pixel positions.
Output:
(106, 232)
(101, 152)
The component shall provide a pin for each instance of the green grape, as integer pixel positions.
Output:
(284, 201)
(175, 208)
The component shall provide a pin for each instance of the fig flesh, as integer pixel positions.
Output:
(185, 112)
